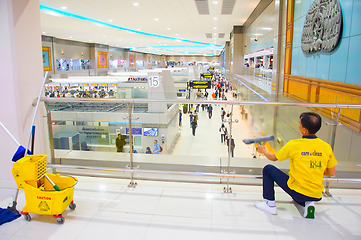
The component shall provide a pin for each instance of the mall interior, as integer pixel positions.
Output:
(138, 70)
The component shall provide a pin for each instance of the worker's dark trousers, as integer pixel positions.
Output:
(271, 174)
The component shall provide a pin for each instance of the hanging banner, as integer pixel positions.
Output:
(131, 60)
(102, 60)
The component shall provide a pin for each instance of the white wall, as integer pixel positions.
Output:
(22, 77)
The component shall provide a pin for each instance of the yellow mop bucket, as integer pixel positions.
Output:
(41, 197)
(47, 201)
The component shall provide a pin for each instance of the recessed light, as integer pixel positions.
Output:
(135, 4)
(44, 32)
(104, 35)
(138, 29)
(120, 39)
(215, 18)
(110, 20)
(63, 7)
(215, 33)
(70, 37)
(214, 28)
(266, 28)
(105, 43)
(90, 40)
(168, 28)
(156, 19)
(215, 2)
(176, 34)
(131, 42)
(258, 34)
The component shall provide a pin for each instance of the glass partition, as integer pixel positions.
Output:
(84, 132)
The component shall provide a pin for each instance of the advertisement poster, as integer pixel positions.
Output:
(46, 59)
(131, 60)
(149, 61)
(102, 60)
(163, 61)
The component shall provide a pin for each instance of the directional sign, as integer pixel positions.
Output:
(207, 75)
(200, 84)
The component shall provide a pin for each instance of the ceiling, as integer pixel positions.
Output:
(169, 27)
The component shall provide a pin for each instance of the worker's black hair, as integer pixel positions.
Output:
(311, 121)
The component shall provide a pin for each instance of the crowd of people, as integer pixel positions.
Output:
(79, 93)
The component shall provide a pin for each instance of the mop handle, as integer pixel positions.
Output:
(52, 183)
(36, 109)
(7, 131)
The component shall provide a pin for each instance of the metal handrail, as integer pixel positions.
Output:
(221, 175)
(179, 101)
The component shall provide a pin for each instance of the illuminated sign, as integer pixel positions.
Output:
(211, 69)
(200, 84)
(207, 75)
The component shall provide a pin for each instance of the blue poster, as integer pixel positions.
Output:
(135, 131)
(45, 59)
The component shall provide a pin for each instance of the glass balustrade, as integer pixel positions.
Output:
(83, 132)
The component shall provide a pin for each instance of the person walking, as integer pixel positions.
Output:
(180, 118)
(191, 119)
(233, 145)
(223, 113)
(210, 109)
(310, 159)
(223, 131)
(194, 126)
(156, 148)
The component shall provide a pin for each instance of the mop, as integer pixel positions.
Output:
(9, 214)
(19, 154)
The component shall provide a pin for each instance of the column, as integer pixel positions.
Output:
(22, 77)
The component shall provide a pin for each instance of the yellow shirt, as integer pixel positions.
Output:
(309, 157)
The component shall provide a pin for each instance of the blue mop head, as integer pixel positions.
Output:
(20, 153)
(7, 216)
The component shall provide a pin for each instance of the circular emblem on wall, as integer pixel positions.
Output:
(322, 28)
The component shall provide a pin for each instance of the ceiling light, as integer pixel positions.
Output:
(168, 28)
(110, 20)
(44, 32)
(156, 19)
(258, 34)
(214, 28)
(131, 42)
(266, 28)
(138, 29)
(104, 36)
(176, 34)
(63, 7)
(135, 4)
(90, 40)
(215, 2)
(215, 34)
(70, 37)
(120, 39)
(214, 18)
(105, 43)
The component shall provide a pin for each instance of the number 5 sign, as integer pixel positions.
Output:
(153, 81)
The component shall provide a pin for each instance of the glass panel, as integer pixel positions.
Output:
(94, 126)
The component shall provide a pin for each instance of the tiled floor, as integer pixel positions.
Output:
(108, 209)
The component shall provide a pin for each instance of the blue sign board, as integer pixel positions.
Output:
(135, 131)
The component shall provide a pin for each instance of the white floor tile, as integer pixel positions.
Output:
(306, 230)
(116, 225)
(164, 227)
(191, 204)
(240, 228)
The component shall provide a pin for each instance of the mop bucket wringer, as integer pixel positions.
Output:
(41, 198)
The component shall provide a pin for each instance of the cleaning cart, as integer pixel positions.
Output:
(45, 193)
